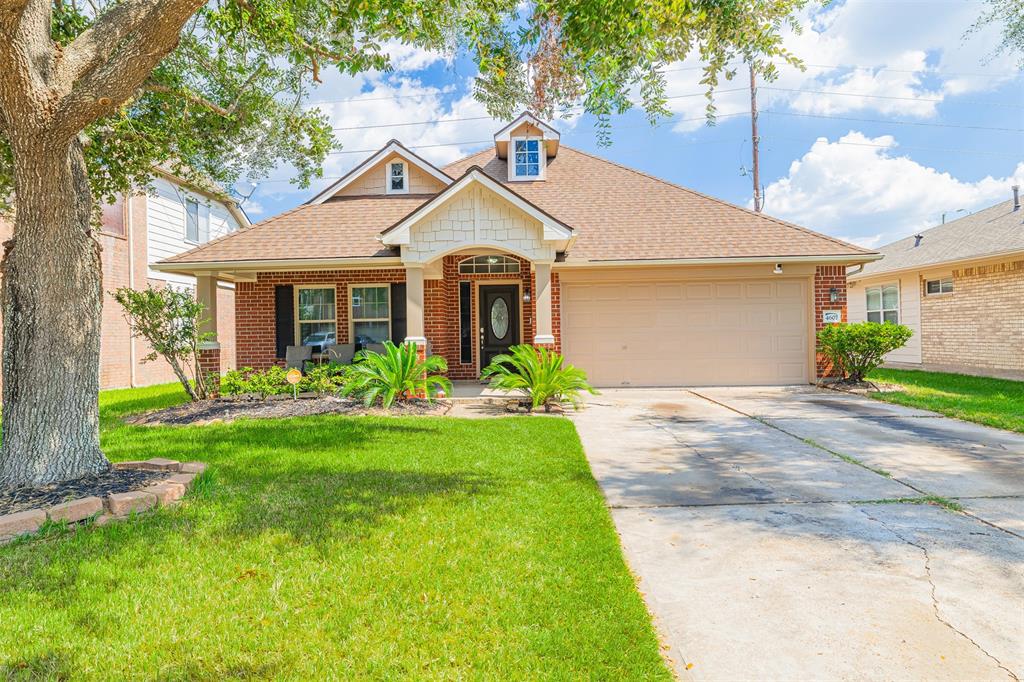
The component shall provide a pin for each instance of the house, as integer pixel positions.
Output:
(959, 286)
(638, 281)
(136, 233)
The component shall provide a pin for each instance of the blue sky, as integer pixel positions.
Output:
(897, 119)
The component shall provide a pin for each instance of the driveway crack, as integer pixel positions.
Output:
(934, 599)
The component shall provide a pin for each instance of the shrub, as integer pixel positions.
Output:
(170, 320)
(323, 379)
(395, 374)
(540, 374)
(320, 379)
(856, 349)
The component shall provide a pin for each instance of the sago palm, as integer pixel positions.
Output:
(540, 374)
(394, 374)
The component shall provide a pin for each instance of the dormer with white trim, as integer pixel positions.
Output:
(527, 144)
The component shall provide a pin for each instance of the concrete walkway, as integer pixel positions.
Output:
(774, 538)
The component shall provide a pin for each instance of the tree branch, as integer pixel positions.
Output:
(191, 97)
(140, 35)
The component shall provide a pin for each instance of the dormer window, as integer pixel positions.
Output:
(528, 158)
(397, 178)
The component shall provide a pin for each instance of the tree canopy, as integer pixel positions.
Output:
(229, 99)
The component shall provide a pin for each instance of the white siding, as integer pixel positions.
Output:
(165, 217)
(910, 310)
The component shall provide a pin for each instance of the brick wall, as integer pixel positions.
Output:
(980, 323)
(254, 310)
(827, 277)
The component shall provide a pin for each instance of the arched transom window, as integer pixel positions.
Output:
(489, 264)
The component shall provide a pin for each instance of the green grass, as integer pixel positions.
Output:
(337, 547)
(993, 402)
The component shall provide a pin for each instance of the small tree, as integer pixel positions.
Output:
(857, 349)
(170, 320)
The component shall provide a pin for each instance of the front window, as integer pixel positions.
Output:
(397, 171)
(316, 314)
(939, 286)
(884, 304)
(197, 226)
(527, 159)
(371, 314)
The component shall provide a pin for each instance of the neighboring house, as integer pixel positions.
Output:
(138, 232)
(959, 286)
(638, 281)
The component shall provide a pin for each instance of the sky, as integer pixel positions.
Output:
(897, 120)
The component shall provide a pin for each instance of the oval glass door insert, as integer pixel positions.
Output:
(499, 318)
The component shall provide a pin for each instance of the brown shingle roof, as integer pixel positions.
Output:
(617, 213)
(338, 228)
(620, 213)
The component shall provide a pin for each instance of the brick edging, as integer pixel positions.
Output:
(169, 491)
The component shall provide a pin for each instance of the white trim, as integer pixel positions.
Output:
(281, 264)
(393, 147)
(724, 260)
(418, 340)
(542, 156)
(546, 338)
(399, 234)
(388, 177)
(526, 117)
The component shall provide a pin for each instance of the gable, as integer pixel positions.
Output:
(372, 181)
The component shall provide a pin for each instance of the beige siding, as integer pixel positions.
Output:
(372, 181)
(910, 310)
(981, 323)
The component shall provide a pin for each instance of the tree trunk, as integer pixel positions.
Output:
(52, 300)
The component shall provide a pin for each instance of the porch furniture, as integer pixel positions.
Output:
(296, 357)
(374, 347)
(340, 353)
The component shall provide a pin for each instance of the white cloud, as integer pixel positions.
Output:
(858, 188)
(409, 58)
(900, 50)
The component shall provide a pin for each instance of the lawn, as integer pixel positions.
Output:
(993, 402)
(349, 547)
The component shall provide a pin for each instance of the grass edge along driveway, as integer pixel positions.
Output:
(983, 400)
(351, 547)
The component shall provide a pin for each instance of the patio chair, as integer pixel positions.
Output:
(340, 353)
(296, 357)
(374, 347)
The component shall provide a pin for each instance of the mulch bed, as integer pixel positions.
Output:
(23, 498)
(215, 411)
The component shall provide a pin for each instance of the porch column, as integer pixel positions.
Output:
(545, 334)
(209, 351)
(415, 330)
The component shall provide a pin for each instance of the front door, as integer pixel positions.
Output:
(499, 320)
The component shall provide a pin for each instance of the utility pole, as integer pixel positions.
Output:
(754, 139)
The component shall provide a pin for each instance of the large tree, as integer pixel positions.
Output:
(94, 93)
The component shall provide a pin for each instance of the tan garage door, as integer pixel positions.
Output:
(688, 333)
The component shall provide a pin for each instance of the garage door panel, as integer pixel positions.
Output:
(688, 333)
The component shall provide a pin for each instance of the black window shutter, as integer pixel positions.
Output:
(398, 314)
(284, 318)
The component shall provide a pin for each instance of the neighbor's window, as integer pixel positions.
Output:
(371, 314)
(397, 171)
(939, 286)
(527, 161)
(316, 315)
(197, 226)
(489, 264)
(884, 304)
(113, 217)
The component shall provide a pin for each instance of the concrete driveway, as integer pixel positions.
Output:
(774, 534)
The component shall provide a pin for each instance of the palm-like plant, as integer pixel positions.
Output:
(541, 374)
(395, 374)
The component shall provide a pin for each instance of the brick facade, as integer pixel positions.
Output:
(979, 324)
(255, 312)
(827, 278)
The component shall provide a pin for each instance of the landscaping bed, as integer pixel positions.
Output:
(19, 499)
(230, 409)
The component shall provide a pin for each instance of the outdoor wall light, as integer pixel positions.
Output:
(526, 298)
(778, 269)
(833, 294)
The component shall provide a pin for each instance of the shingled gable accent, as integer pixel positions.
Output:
(554, 230)
(392, 147)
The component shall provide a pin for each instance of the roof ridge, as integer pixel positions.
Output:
(784, 223)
